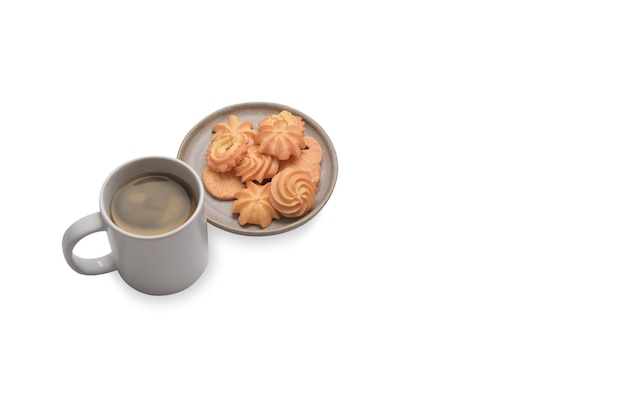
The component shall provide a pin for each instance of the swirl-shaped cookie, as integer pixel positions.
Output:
(256, 166)
(253, 205)
(226, 150)
(280, 140)
(292, 192)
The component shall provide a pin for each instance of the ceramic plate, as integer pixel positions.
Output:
(219, 213)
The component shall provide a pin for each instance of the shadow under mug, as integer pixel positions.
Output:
(160, 264)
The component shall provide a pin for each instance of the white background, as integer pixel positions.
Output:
(469, 262)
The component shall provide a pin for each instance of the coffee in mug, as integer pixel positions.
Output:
(152, 204)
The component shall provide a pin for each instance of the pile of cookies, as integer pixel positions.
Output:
(270, 172)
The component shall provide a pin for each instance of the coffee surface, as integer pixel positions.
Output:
(152, 204)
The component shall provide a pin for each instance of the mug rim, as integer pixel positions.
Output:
(198, 189)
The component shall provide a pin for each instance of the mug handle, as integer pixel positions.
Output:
(83, 227)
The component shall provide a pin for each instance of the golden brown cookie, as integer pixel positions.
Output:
(284, 116)
(309, 159)
(280, 140)
(226, 150)
(221, 185)
(234, 125)
(256, 166)
(253, 205)
(292, 192)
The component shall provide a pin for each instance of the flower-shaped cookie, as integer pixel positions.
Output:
(235, 126)
(292, 192)
(253, 205)
(280, 139)
(284, 116)
(226, 150)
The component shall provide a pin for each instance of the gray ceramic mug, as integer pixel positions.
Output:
(159, 264)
